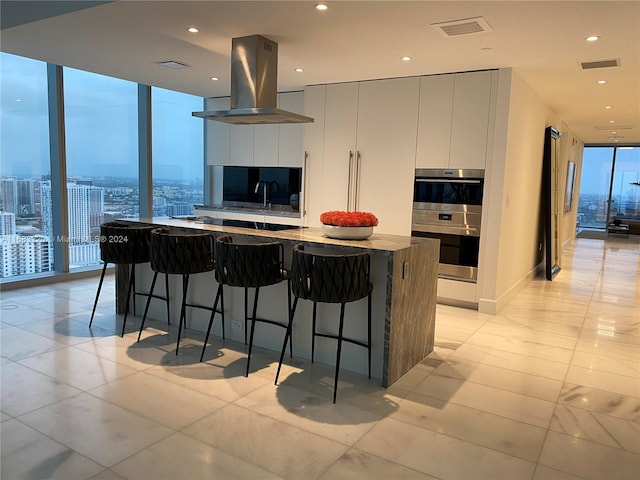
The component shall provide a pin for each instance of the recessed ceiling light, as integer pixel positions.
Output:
(614, 133)
(602, 82)
(406, 58)
(321, 7)
(299, 70)
(18, 99)
(215, 79)
(608, 106)
(592, 38)
(612, 121)
(193, 30)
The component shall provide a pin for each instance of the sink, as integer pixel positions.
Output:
(248, 224)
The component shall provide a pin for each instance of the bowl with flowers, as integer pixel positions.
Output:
(348, 225)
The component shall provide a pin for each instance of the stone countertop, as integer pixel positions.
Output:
(307, 235)
(275, 210)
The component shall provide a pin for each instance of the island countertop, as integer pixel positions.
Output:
(307, 235)
(404, 275)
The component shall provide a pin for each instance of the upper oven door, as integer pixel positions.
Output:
(452, 187)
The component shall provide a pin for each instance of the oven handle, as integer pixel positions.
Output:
(424, 230)
(445, 180)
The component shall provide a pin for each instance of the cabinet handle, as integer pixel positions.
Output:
(349, 181)
(304, 185)
(356, 199)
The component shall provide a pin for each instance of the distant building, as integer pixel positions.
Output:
(7, 223)
(25, 255)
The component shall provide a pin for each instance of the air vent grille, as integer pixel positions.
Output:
(173, 64)
(614, 62)
(465, 26)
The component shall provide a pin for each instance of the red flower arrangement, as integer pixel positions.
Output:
(349, 219)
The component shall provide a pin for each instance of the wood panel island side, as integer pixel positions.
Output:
(403, 273)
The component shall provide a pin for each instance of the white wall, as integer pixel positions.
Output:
(511, 214)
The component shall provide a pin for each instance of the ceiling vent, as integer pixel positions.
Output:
(614, 62)
(465, 26)
(173, 64)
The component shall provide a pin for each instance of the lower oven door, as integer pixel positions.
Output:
(458, 255)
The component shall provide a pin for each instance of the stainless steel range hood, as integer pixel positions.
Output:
(254, 80)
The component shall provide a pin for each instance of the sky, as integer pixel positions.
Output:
(101, 125)
(596, 170)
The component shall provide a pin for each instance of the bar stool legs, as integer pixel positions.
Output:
(95, 303)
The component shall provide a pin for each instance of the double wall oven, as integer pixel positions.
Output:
(447, 205)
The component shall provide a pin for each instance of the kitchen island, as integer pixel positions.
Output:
(403, 273)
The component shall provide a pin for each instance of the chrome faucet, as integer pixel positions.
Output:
(265, 186)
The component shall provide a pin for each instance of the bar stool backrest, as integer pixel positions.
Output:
(329, 278)
(181, 252)
(124, 243)
(248, 264)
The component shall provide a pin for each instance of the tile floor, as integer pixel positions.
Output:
(547, 389)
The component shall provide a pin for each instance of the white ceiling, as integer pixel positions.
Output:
(544, 41)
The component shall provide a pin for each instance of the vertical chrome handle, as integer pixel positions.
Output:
(349, 181)
(303, 208)
(356, 199)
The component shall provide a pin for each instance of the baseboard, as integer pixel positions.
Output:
(492, 307)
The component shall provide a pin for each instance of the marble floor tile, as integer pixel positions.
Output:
(474, 426)
(340, 422)
(17, 344)
(69, 330)
(163, 402)
(605, 347)
(357, 465)
(512, 361)
(546, 473)
(503, 378)
(24, 390)
(529, 347)
(439, 455)
(78, 368)
(14, 313)
(595, 427)
(588, 459)
(181, 457)
(28, 454)
(629, 367)
(601, 401)
(99, 430)
(629, 386)
(107, 474)
(535, 324)
(488, 399)
(290, 452)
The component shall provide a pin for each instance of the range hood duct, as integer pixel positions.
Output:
(254, 83)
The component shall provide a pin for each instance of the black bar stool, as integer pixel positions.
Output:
(249, 265)
(181, 252)
(125, 243)
(330, 279)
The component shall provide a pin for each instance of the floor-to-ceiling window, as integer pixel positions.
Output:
(177, 152)
(25, 187)
(101, 124)
(101, 159)
(609, 185)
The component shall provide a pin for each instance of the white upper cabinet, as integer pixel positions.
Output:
(241, 145)
(455, 115)
(217, 134)
(386, 151)
(367, 150)
(434, 121)
(290, 136)
(470, 122)
(265, 145)
(312, 181)
(340, 123)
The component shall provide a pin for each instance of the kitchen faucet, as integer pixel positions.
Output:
(265, 186)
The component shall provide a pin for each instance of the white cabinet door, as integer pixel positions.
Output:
(312, 180)
(341, 119)
(217, 134)
(386, 147)
(434, 121)
(469, 130)
(241, 145)
(265, 145)
(290, 136)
